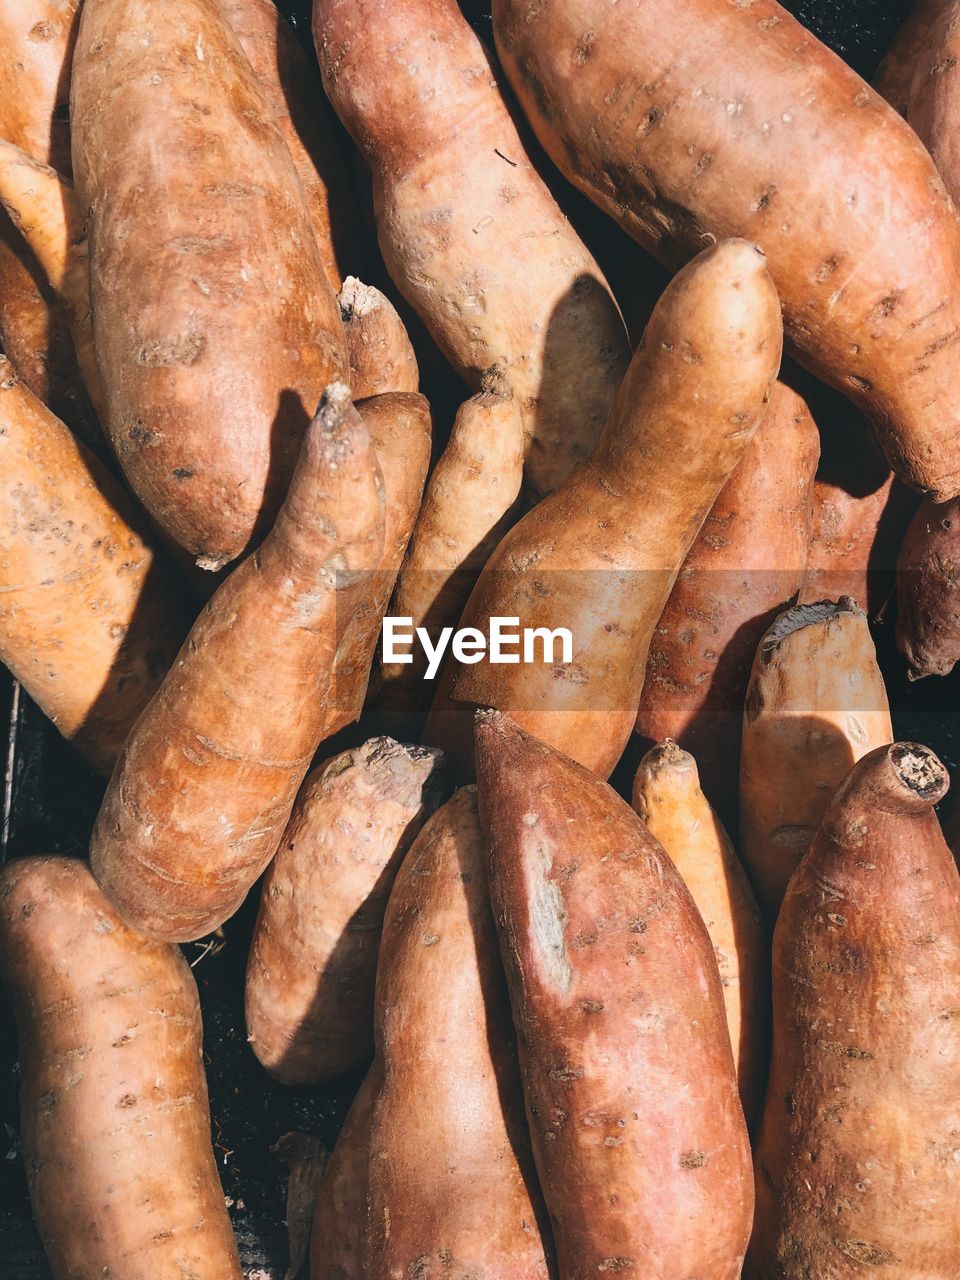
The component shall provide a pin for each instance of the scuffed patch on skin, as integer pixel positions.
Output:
(548, 919)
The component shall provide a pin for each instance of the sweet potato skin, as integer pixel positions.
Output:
(746, 563)
(451, 1189)
(34, 89)
(600, 555)
(855, 1167)
(628, 1075)
(928, 591)
(289, 86)
(115, 1121)
(312, 964)
(667, 796)
(213, 357)
(692, 119)
(337, 1233)
(458, 205)
(90, 619)
(815, 704)
(379, 349)
(203, 790)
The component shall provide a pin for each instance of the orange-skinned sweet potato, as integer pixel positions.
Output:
(600, 555)
(815, 704)
(203, 790)
(450, 1183)
(289, 86)
(470, 234)
(381, 356)
(470, 502)
(35, 54)
(115, 1121)
(857, 1173)
(628, 1075)
(692, 120)
(746, 563)
(313, 958)
(90, 619)
(216, 327)
(667, 796)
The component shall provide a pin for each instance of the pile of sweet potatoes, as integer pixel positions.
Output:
(641, 931)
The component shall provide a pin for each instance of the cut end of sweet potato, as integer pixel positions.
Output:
(919, 770)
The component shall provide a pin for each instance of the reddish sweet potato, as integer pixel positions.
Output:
(216, 327)
(816, 703)
(313, 959)
(746, 563)
(450, 1186)
(628, 1076)
(381, 356)
(336, 1238)
(599, 556)
(90, 621)
(689, 120)
(115, 1122)
(857, 1171)
(201, 795)
(928, 591)
(470, 234)
(470, 503)
(667, 796)
(289, 86)
(860, 514)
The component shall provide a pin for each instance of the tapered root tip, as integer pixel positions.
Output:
(667, 755)
(920, 771)
(357, 299)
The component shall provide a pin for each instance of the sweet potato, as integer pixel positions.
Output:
(35, 52)
(313, 959)
(297, 107)
(470, 503)
(860, 515)
(857, 1172)
(469, 232)
(216, 327)
(337, 1234)
(450, 1184)
(746, 563)
(400, 427)
(628, 1074)
(667, 796)
(90, 621)
(689, 120)
(115, 1122)
(381, 357)
(599, 557)
(815, 704)
(928, 591)
(200, 797)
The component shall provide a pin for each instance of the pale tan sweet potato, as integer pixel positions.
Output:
(379, 349)
(313, 958)
(451, 1189)
(297, 107)
(470, 503)
(667, 796)
(469, 232)
(628, 1075)
(599, 557)
(200, 797)
(90, 619)
(815, 704)
(746, 564)
(856, 1167)
(693, 120)
(216, 327)
(400, 427)
(115, 1121)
